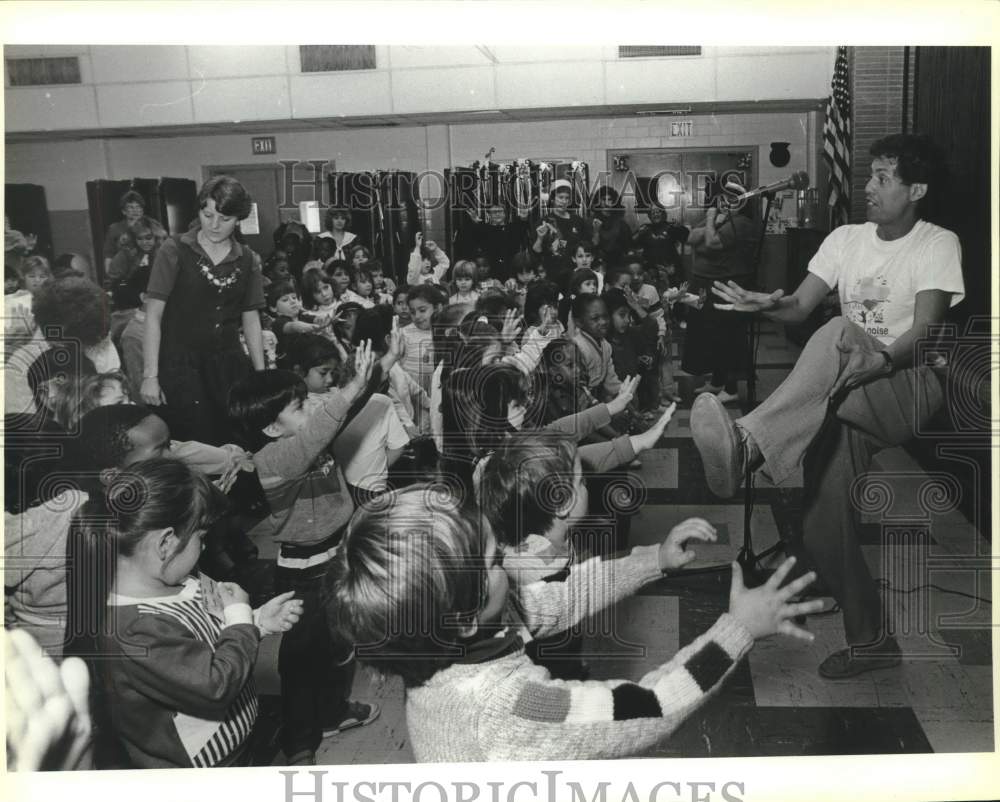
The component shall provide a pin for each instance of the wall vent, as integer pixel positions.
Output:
(657, 51)
(337, 58)
(43, 71)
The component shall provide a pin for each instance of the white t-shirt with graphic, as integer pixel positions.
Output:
(878, 281)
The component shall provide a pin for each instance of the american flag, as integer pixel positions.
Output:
(837, 141)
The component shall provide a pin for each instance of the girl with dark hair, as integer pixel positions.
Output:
(205, 287)
(178, 651)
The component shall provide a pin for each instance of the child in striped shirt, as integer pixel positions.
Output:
(175, 686)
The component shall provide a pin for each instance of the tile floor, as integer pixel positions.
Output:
(939, 700)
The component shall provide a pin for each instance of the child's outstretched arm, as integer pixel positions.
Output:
(531, 716)
(416, 262)
(441, 261)
(290, 457)
(566, 598)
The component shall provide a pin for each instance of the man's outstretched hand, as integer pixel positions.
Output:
(738, 299)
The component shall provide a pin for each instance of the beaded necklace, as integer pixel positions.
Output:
(220, 282)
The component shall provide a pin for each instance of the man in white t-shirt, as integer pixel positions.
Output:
(855, 389)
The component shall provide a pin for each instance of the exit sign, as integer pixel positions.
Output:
(682, 128)
(263, 145)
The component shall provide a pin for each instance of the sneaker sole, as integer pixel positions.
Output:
(376, 712)
(860, 666)
(708, 419)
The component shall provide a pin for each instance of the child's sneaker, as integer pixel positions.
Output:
(304, 757)
(357, 714)
(727, 398)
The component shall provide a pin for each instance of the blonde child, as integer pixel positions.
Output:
(19, 322)
(463, 278)
(472, 694)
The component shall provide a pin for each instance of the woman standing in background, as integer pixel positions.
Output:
(205, 286)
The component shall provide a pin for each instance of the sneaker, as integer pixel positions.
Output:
(357, 714)
(849, 662)
(727, 397)
(725, 448)
(303, 757)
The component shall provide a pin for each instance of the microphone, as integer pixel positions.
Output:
(799, 180)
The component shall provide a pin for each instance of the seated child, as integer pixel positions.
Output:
(385, 288)
(484, 276)
(634, 348)
(471, 692)
(309, 510)
(19, 323)
(591, 316)
(317, 294)
(359, 255)
(541, 311)
(285, 306)
(648, 295)
(175, 652)
(400, 304)
(582, 281)
(339, 275)
(463, 277)
(428, 264)
(363, 286)
(523, 268)
(584, 258)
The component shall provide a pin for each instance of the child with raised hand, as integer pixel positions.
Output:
(176, 655)
(373, 437)
(463, 279)
(428, 263)
(471, 692)
(310, 506)
(383, 330)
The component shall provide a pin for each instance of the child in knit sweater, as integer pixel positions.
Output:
(309, 508)
(472, 693)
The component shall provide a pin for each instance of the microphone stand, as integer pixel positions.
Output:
(748, 560)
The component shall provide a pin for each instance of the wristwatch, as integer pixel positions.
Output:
(888, 360)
